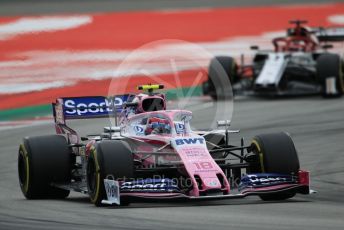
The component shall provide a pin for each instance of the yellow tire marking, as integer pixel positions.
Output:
(94, 199)
(22, 150)
(260, 154)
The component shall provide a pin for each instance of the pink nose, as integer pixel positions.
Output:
(210, 183)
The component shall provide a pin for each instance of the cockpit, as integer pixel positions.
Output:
(165, 123)
(298, 39)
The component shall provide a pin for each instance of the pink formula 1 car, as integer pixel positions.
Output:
(152, 153)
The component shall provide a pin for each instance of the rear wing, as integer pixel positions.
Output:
(329, 34)
(88, 107)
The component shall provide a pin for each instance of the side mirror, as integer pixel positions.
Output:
(105, 135)
(254, 47)
(224, 123)
(84, 138)
(327, 46)
(130, 104)
(113, 129)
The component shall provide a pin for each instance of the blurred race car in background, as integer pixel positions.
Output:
(152, 153)
(300, 64)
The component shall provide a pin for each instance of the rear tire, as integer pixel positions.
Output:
(44, 160)
(277, 154)
(329, 66)
(108, 158)
(222, 73)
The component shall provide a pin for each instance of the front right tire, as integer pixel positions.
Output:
(277, 154)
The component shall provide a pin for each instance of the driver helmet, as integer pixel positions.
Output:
(156, 125)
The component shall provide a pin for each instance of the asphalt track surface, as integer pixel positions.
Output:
(316, 125)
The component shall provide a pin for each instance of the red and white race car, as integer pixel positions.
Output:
(152, 153)
(300, 64)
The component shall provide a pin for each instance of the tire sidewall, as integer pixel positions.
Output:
(330, 65)
(46, 161)
(221, 74)
(105, 167)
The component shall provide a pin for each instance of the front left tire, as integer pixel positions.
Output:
(277, 154)
(42, 161)
(108, 158)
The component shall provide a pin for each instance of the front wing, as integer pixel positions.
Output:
(114, 193)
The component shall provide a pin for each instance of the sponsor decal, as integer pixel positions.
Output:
(212, 183)
(264, 180)
(193, 152)
(189, 141)
(59, 114)
(150, 185)
(92, 106)
(138, 130)
(267, 179)
(112, 191)
(180, 128)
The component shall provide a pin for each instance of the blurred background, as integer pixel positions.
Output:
(72, 48)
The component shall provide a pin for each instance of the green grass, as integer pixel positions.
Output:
(174, 94)
(25, 112)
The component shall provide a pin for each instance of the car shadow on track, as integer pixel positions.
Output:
(188, 203)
